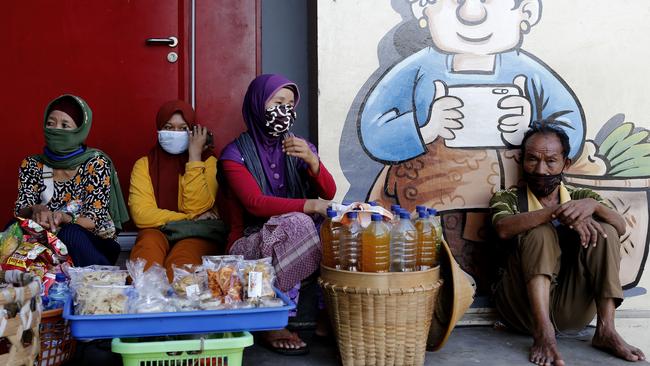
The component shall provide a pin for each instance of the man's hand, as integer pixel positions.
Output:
(575, 211)
(588, 230)
(514, 125)
(295, 146)
(444, 117)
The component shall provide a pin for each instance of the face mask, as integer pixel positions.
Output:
(174, 142)
(542, 185)
(279, 119)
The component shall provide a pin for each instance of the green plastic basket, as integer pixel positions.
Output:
(223, 349)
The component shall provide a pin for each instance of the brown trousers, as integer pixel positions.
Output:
(152, 245)
(578, 276)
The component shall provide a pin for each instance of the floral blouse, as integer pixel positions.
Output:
(87, 194)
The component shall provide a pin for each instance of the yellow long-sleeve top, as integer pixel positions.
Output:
(197, 191)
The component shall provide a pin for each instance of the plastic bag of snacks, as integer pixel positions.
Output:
(83, 282)
(10, 239)
(151, 288)
(224, 280)
(259, 276)
(96, 275)
(100, 299)
(38, 234)
(190, 281)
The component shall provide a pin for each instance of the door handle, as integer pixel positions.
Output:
(171, 41)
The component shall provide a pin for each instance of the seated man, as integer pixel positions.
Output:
(563, 262)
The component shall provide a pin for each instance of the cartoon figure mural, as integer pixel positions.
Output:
(446, 122)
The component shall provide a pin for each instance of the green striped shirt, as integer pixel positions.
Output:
(504, 203)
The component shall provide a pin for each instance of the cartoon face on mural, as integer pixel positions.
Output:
(477, 28)
(447, 121)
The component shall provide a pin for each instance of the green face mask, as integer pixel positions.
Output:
(64, 142)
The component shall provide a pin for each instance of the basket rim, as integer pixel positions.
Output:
(241, 340)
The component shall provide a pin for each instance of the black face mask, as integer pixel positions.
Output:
(279, 119)
(542, 185)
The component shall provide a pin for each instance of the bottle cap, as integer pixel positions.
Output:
(432, 211)
(373, 203)
(420, 208)
(376, 217)
(352, 215)
(423, 214)
(60, 277)
(404, 215)
(331, 213)
(394, 208)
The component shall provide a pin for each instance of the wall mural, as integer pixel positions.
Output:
(439, 123)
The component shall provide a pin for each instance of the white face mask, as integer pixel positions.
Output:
(174, 142)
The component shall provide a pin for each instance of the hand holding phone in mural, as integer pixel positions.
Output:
(513, 125)
(445, 115)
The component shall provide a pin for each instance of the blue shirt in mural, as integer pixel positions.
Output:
(401, 101)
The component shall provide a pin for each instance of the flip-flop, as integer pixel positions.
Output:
(268, 343)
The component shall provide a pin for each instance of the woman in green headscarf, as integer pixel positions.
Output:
(71, 189)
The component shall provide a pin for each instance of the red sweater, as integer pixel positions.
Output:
(243, 196)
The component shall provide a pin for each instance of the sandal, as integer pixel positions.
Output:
(271, 339)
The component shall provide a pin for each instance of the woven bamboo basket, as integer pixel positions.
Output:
(380, 318)
(20, 316)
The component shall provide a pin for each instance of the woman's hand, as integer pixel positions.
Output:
(198, 139)
(207, 215)
(44, 217)
(316, 206)
(295, 146)
(50, 220)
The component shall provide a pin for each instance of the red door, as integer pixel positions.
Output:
(97, 50)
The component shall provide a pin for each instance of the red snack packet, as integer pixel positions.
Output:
(23, 257)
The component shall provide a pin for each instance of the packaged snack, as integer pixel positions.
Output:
(151, 288)
(96, 275)
(24, 256)
(33, 229)
(223, 281)
(56, 245)
(190, 281)
(98, 299)
(10, 239)
(38, 269)
(229, 281)
(258, 276)
(48, 280)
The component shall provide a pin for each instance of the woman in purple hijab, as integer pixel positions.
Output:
(272, 185)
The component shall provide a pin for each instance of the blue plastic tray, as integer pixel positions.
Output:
(186, 322)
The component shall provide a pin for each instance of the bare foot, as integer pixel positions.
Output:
(283, 339)
(544, 351)
(610, 341)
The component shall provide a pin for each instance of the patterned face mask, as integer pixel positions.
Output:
(542, 185)
(279, 119)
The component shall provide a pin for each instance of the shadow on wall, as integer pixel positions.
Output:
(403, 40)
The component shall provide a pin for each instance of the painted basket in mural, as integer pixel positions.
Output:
(630, 198)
